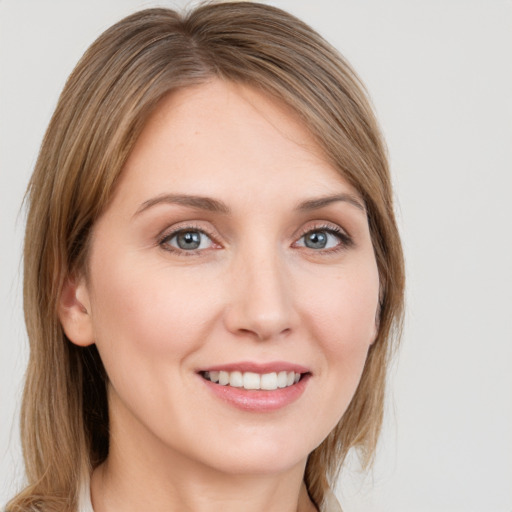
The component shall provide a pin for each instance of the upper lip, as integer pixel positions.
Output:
(262, 368)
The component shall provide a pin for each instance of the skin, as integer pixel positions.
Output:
(253, 291)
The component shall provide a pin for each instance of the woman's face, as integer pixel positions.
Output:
(232, 256)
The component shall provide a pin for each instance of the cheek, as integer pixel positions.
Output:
(344, 312)
(340, 316)
(343, 320)
(149, 311)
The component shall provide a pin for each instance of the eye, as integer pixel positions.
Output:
(187, 240)
(324, 238)
(320, 240)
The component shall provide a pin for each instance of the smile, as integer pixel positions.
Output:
(252, 380)
(257, 387)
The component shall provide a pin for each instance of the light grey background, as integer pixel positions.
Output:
(440, 76)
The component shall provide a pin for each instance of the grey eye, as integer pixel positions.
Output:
(322, 239)
(315, 240)
(189, 240)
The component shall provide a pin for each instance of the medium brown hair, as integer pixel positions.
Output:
(101, 111)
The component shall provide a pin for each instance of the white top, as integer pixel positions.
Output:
(85, 504)
(330, 502)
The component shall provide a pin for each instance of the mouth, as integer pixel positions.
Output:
(254, 381)
(256, 387)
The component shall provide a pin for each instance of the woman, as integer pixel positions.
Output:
(213, 274)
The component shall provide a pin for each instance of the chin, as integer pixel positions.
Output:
(259, 454)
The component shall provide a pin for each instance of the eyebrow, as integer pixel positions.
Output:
(321, 202)
(214, 205)
(199, 202)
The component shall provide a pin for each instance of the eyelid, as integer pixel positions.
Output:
(170, 233)
(346, 240)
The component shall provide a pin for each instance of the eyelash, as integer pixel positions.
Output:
(345, 240)
(164, 239)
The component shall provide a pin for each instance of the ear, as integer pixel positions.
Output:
(74, 310)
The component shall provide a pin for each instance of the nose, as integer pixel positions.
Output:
(260, 297)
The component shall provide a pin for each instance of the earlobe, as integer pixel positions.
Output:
(74, 312)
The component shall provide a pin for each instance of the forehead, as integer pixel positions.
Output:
(221, 135)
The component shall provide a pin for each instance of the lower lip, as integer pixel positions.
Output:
(258, 400)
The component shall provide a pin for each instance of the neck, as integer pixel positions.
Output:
(196, 490)
(147, 475)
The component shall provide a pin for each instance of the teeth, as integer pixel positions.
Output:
(281, 379)
(251, 380)
(236, 380)
(269, 381)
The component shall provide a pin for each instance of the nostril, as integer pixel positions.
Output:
(260, 304)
